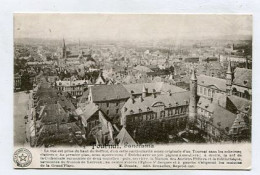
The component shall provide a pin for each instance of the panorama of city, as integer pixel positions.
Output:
(79, 91)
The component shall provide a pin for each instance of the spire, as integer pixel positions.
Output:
(229, 70)
(64, 45)
(193, 75)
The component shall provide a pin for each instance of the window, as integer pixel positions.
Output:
(117, 104)
(107, 112)
(200, 90)
(162, 114)
(210, 94)
(144, 117)
(177, 111)
(155, 115)
(117, 110)
(184, 109)
(170, 111)
(141, 118)
(107, 105)
(205, 91)
(151, 116)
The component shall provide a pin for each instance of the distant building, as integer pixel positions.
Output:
(109, 98)
(17, 82)
(242, 83)
(99, 129)
(224, 106)
(75, 88)
(152, 118)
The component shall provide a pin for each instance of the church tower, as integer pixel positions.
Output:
(193, 97)
(229, 78)
(64, 50)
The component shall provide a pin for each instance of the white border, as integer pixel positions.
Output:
(8, 7)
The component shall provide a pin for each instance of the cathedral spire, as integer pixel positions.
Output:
(64, 50)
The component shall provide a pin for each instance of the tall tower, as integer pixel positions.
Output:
(64, 50)
(193, 96)
(229, 78)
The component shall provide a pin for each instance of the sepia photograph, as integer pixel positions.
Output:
(132, 81)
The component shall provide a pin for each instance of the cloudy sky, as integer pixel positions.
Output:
(129, 27)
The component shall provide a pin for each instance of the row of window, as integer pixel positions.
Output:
(153, 115)
(207, 91)
(70, 89)
(204, 112)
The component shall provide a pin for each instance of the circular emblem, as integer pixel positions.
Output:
(22, 157)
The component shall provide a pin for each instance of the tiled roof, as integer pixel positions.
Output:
(142, 69)
(240, 122)
(147, 103)
(158, 86)
(206, 104)
(124, 138)
(49, 95)
(205, 80)
(58, 134)
(241, 104)
(243, 77)
(71, 83)
(53, 113)
(137, 88)
(223, 118)
(87, 111)
(109, 92)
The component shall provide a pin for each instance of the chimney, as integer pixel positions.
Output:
(132, 94)
(144, 92)
(141, 99)
(132, 100)
(154, 93)
(246, 63)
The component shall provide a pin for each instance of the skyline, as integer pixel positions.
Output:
(140, 27)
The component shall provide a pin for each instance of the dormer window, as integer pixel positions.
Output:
(245, 82)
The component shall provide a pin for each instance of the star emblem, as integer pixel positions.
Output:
(22, 157)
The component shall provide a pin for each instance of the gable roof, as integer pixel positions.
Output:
(87, 111)
(243, 77)
(241, 104)
(223, 117)
(205, 80)
(108, 92)
(180, 99)
(53, 113)
(124, 138)
(158, 86)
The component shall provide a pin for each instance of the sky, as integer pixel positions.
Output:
(129, 26)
